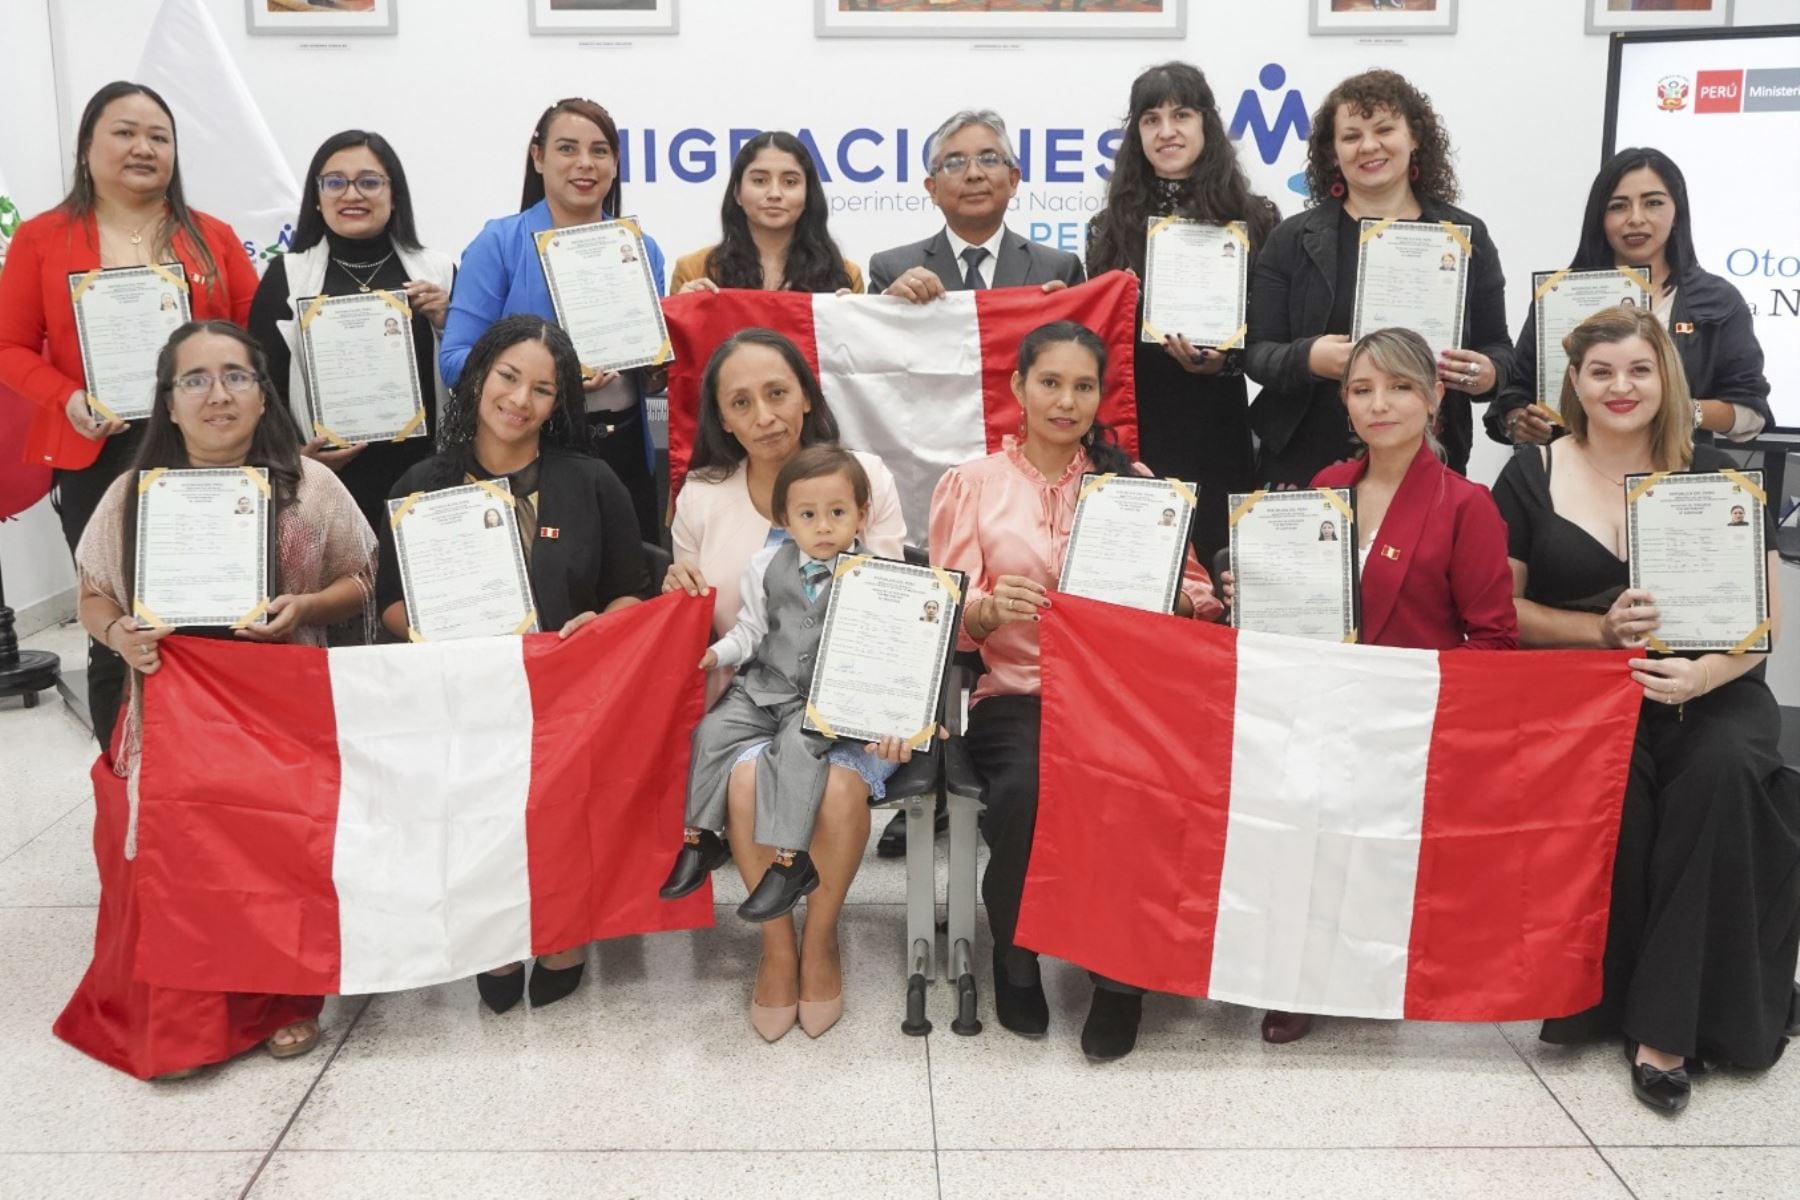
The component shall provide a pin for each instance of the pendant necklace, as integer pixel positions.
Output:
(362, 282)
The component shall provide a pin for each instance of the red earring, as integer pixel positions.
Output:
(1338, 190)
(1414, 173)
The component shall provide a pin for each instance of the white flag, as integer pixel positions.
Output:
(231, 166)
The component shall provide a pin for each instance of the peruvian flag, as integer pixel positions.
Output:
(1344, 830)
(926, 387)
(320, 822)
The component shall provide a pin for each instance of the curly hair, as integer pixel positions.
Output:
(1366, 93)
(566, 428)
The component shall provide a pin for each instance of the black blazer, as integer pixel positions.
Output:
(1020, 262)
(1713, 331)
(595, 557)
(1300, 417)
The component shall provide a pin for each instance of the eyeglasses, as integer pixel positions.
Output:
(198, 387)
(987, 160)
(368, 183)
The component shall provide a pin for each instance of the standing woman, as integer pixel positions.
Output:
(773, 218)
(571, 178)
(516, 415)
(1176, 160)
(1377, 150)
(355, 233)
(212, 410)
(125, 208)
(1638, 215)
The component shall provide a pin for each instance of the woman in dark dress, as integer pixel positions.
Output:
(1176, 160)
(517, 415)
(1700, 952)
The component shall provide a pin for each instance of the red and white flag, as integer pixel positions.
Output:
(1348, 830)
(375, 818)
(926, 387)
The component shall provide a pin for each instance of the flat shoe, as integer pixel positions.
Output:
(780, 888)
(816, 1016)
(1665, 1091)
(293, 1049)
(694, 865)
(1280, 1028)
(1021, 1008)
(1112, 1024)
(773, 1023)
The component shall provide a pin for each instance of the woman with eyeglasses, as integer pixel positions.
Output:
(125, 208)
(355, 233)
(571, 178)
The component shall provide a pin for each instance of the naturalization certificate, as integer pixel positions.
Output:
(461, 564)
(1697, 544)
(1412, 275)
(1129, 542)
(1561, 300)
(889, 630)
(605, 295)
(362, 377)
(1294, 563)
(124, 316)
(202, 547)
(1196, 281)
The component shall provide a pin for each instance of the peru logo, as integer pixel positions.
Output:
(1672, 92)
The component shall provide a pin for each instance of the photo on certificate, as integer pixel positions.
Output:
(1412, 275)
(890, 628)
(202, 555)
(1698, 543)
(1129, 542)
(462, 566)
(123, 318)
(1561, 300)
(605, 295)
(1294, 563)
(1196, 282)
(361, 369)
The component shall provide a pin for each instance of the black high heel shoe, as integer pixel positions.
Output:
(699, 858)
(1021, 1008)
(501, 992)
(1665, 1091)
(1112, 1024)
(550, 984)
(780, 888)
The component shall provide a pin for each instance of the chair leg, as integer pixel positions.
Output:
(961, 905)
(921, 911)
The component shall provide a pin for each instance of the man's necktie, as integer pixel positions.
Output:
(974, 256)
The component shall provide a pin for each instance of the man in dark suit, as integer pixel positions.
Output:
(974, 174)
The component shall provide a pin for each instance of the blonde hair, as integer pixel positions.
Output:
(1404, 355)
(1672, 428)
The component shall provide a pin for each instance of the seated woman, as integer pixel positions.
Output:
(1700, 951)
(1432, 544)
(1004, 521)
(212, 409)
(516, 415)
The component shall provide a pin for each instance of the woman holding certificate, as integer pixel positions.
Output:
(355, 236)
(1367, 255)
(126, 231)
(1700, 951)
(1176, 161)
(1004, 521)
(773, 220)
(571, 179)
(516, 416)
(211, 411)
(1638, 217)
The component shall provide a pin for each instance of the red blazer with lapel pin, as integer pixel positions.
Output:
(1437, 576)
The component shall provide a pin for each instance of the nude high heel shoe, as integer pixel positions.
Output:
(816, 1016)
(773, 1023)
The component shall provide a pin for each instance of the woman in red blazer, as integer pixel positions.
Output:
(124, 209)
(1433, 545)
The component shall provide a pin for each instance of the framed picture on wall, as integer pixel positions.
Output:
(1377, 18)
(1001, 18)
(316, 18)
(1605, 16)
(554, 17)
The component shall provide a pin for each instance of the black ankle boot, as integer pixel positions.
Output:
(780, 889)
(1020, 1007)
(501, 992)
(697, 860)
(1112, 1024)
(550, 984)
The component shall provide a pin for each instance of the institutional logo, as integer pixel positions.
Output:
(1672, 93)
(1769, 89)
(1719, 92)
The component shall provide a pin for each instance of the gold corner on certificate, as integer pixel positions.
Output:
(1697, 543)
(1129, 542)
(1196, 281)
(605, 294)
(1412, 275)
(1561, 300)
(202, 547)
(462, 568)
(1294, 563)
(889, 629)
(123, 318)
(361, 368)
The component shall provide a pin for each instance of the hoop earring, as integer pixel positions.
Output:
(1338, 190)
(1414, 173)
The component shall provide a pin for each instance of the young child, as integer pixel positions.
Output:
(821, 498)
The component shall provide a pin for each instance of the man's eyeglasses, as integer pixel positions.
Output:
(369, 184)
(987, 160)
(236, 382)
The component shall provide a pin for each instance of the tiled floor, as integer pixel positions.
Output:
(650, 1083)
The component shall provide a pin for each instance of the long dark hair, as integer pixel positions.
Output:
(80, 201)
(1594, 252)
(534, 182)
(716, 453)
(309, 228)
(1102, 450)
(814, 263)
(1365, 93)
(1217, 189)
(274, 446)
